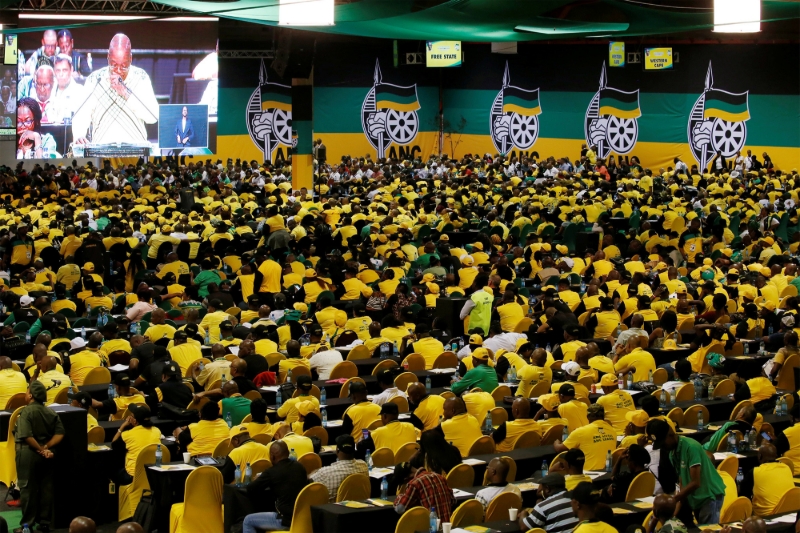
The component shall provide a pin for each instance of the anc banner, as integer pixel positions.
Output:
(619, 104)
(520, 101)
(727, 106)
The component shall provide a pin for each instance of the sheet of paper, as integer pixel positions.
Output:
(329, 448)
(335, 423)
(649, 499)
(719, 456)
(593, 475)
(473, 462)
(234, 350)
(688, 430)
(379, 502)
(98, 448)
(378, 473)
(273, 388)
(458, 493)
(642, 505)
(443, 370)
(167, 468)
(355, 505)
(526, 486)
(713, 427)
(620, 510)
(404, 416)
(119, 368)
(790, 518)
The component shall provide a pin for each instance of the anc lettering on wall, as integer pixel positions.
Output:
(545, 100)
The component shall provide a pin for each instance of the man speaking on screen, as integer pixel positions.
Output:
(118, 101)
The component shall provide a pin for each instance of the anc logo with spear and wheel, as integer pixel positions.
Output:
(514, 119)
(610, 122)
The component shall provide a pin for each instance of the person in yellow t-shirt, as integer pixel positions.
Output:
(616, 402)
(570, 465)
(460, 428)
(135, 433)
(506, 435)
(394, 434)
(360, 323)
(425, 345)
(510, 312)
(159, 329)
(571, 409)
(11, 381)
(428, 409)
(202, 438)
(124, 398)
(85, 360)
(361, 414)
(535, 371)
(585, 498)
(771, 480)
(245, 452)
(354, 288)
(331, 319)
(597, 439)
(637, 360)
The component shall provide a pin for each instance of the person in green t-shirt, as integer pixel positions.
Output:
(481, 375)
(207, 276)
(234, 403)
(702, 487)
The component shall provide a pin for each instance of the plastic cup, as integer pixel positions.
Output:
(446, 527)
(512, 514)
(187, 457)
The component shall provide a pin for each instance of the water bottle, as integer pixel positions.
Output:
(770, 330)
(454, 347)
(395, 351)
(25, 528)
(324, 417)
(630, 380)
(732, 447)
(248, 474)
(698, 389)
(368, 460)
(456, 377)
(739, 478)
(28, 336)
(663, 402)
(111, 392)
(621, 382)
(548, 349)
(512, 375)
(208, 338)
(650, 376)
(293, 455)
(451, 269)
(784, 409)
(545, 468)
(224, 379)
(88, 310)
(434, 520)
(673, 398)
(323, 397)
(428, 384)
(159, 455)
(237, 477)
(619, 330)
(138, 328)
(278, 399)
(229, 419)
(385, 488)
(565, 433)
(69, 392)
(746, 348)
(609, 464)
(289, 376)
(751, 438)
(53, 298)
(710, 390)
(487, 423)
(583, 286)
(700, 420)
(384, 351)
(762, 348)
(83, 332)
(201, 366)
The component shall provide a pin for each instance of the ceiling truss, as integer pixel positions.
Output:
(139, 7)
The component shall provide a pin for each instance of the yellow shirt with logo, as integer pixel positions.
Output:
(159, 331)
(462, 430)
(362, 414)
(360, 325)
(616, 405)
(530, 376)
(248, 453)
(514, 430)
(595, 440)
(643, 362)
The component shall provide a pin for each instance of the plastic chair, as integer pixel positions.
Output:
(676, 415)
(96, 435)
(740, 509)
(382, 457)
(274, 358)
(788, 462)
(311, 462)
(262, 438)
(344, 392)
(446, 360)
(499, 416)
(730, 465)
(529, 439)
(203, 495)
(97, 376)
(386, 364)
(312, 494)
(785, 376)
(345, 369)
(461, 476)
(413, 520)
(375, 424)
(447, 394)
(129, 495)
(552, 434)
(405, 452)
(359, 352)
(223, 448)
(789, 502)
(318, 431)
(690, 415)
(500, 392)
(416, 362)
(660, 377)
(401, 402)
(18, 400)
(252, 395)
(314, 392)
(482, 445)
(543, 387)
(354, 487)
(642, 486)
(8, 452)
(725, 387)
(738, 407)
(260, 466)
(469, 513)
(523, 325)
(685, 393)
(500, 504)
(405, 379)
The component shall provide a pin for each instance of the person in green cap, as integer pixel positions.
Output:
(716, 362)
(39, 429)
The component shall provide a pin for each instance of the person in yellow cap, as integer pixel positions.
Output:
(432, 295)
(245, 453)
(481, 375)
(548, 416)
(635, 427)
(617, 403)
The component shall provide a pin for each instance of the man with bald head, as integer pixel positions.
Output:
(507, 433)
(130, 527)
(664, 512)
(254, 363)
(51, 378)
(426, 409)
(119, 100)
(159, 329)
(44, 55)
(82, 524)
(11, 381)
(460, 428)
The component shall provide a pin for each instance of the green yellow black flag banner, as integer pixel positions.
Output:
(389, 96)
(521, 101)
(619, 104)
(274, 96)
(727, 106)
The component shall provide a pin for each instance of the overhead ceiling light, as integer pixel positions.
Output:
(305, 13)
(737, 16)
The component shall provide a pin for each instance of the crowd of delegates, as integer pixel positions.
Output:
(164, 259)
